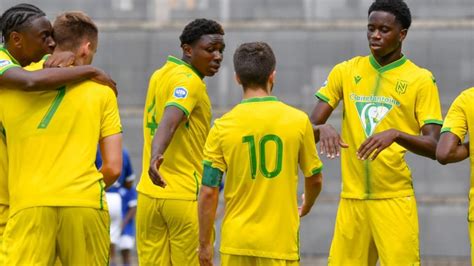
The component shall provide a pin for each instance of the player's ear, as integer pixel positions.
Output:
(16, 39)
(187, 50)
(237, 79)
(271, 78)
(403, 34)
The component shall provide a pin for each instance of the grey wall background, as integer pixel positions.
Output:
(308, 37)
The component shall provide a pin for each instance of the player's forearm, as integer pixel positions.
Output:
(312, 188)
(48, 78)
(421, 145)
(165, 132)
(130, 215)
(456, 153)
(207, 206)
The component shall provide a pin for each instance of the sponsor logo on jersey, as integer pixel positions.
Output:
(180, 93)
(372, 110)
(5, 62)
(357, 79)
(401, 86)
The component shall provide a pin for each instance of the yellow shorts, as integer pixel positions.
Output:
(78, 236)
(167, 231)
(3, 222)
(368, 229)
(237, 260)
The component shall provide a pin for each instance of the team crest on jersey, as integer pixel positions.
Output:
(372, 110)
(180, 93)
(401, 86)
(5, 62)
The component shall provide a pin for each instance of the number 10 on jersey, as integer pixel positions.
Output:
(262, 151)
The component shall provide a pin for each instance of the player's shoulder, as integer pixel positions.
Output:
(351, 63)
(418, 71)
(92, 88)
(293, 112)
(467, 93)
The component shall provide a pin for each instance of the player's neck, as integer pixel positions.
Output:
(255, 92)
(389, 58)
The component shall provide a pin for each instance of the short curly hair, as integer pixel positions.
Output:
(197, 28)
(396, 7)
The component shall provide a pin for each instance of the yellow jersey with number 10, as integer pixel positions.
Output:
(259, 144)
(398, 96)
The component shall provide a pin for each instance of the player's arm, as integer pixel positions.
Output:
(207, 206)
(52, 78)
(312, 188)
(329, 140)
(450, 149)
(172, 117)
(111, 151)
(424, 145)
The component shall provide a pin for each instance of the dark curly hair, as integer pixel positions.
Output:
(253, 63)
(198, 27)
(18, 17)
(396, 7)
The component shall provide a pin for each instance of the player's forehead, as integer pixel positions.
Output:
(210, 39)
(379, 17)
(39, 25)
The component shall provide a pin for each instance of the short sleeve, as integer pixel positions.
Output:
(110, 122)
(186, 92)
(331, 91)
(427, 106)
(6, 64)
(214, 163)
(456, 119)
(309, 160)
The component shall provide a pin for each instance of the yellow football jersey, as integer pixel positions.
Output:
(401, 96)
(176, 84)
(260, 154)
(52, 141)
(6, 62)
(460, 120)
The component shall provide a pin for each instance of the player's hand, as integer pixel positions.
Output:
(205, 255)
(155, 176)
(60, 59)
(376, 143)
(330, 142)
(104, 78)
(303, 209)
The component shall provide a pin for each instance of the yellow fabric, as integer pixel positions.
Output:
(231, 260)
(78, 236)
(7, 61)
(459, 120)
(167, 231)
(398, 96)
(176, 84)
(52, 143)
(369, 229)
(261, 204)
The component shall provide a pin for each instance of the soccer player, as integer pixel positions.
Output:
(452, 148)
(127, 238)
(57, 199)
(115, 200)
(390, 106)
(176, 122)
(27, 37)
(260, 154)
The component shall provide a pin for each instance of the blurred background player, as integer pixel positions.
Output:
(118, 199)
(177, 119)
(58, 131)
(452, 148)
(127, 237)
(390, 106)
(260, 157)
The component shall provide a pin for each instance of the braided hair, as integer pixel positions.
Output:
(17, 17)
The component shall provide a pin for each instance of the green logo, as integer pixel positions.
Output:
(370, 114)
(357, 79)
(401, 86)
(151, 119)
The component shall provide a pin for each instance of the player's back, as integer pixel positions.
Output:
(52, 141)
(261, 140)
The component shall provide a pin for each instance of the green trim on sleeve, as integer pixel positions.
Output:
(433, 121)
(45, 57)
(445, 129)
(321, 97)
(7, 68)
(179, 106)
(316, 171)
(211, 177)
